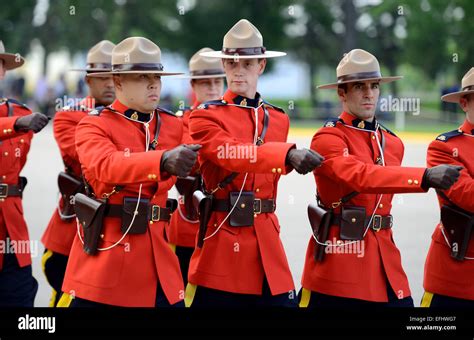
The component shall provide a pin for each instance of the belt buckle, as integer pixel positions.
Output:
(259, 211)
(377, 218)
(155, 213)
(3, 190)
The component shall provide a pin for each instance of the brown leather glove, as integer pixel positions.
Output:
(304, 160)
(35, 122)
(180, 160)
(441, 176)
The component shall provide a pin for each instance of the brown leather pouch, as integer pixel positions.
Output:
(352, 223)
(458, 225)
(140, 223)
(203, 204)
(68, 187)
(186, 187)
(90, 213)
(242, 215)
(320, 220)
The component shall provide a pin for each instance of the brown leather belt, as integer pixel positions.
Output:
(259, 205)
(8, 190)
(155, 212)
(378, 222)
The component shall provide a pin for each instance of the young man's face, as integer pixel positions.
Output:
(467, 105)
(3, 71)
(139, 91)
(360, 99)
(207, 89)
(101, 89)
(242, 75)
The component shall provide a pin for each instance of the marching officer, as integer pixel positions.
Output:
(242, 261)
(356, 182)
(449, 266)
(130, 153)
(207, 83)
(18, 287)
(61, 229)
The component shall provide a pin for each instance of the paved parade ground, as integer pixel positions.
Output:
(415, 215)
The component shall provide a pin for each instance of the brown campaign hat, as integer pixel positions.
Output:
(358, 65)
(99, 57)
(136, 55)
(10, 60)
(467, 86)
(243, 41)
(204, 67)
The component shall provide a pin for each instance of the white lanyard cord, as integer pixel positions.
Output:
(380, 198)
(246, 174)
(135, 212)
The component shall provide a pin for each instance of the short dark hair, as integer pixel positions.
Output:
(342, 87)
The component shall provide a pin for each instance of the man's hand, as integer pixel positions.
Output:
(441, 176)
(35, 122)
(180, 160)
(304, 160)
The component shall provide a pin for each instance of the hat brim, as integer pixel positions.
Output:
(454, 97)
(111, 73)
(89, 70)
(219, 54)
(10, 61)
(186, 76)
(335, 85)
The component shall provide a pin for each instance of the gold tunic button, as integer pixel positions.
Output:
(22, 141)
(410, 181)
(4, 130)
(380, 206)
(4, 177)
(274, 170)
(416, 181)
(9, 130)
(373, 136)
(279, 170)
(5, 153)
(101, 235)
(257, 190)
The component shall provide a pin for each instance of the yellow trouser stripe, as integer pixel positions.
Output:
(46, 256)
(189, 296)
(305, 296)
(65, 300)
(426, 300)
(173, 247)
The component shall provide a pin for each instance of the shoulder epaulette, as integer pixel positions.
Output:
(387, 130)
(444, 137)
(180, 113)
(205, 105)
(82, 108)
(274, 106)
(331, 122)
(162, 109)
(14, 101)
(97, 111)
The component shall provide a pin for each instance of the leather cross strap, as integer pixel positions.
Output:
(227, 180)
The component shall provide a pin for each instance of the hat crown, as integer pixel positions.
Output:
(357, 61)
(136, 50)
(243, 35)
(201, 63)
(468, 79)
(101, 53)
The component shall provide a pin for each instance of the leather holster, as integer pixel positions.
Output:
(90, 213)
(203, 204)
(68, 187)
(186, 188)
(458, 225)
(320, 220)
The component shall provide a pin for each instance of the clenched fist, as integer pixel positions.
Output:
(304, 160)
(180, 160)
